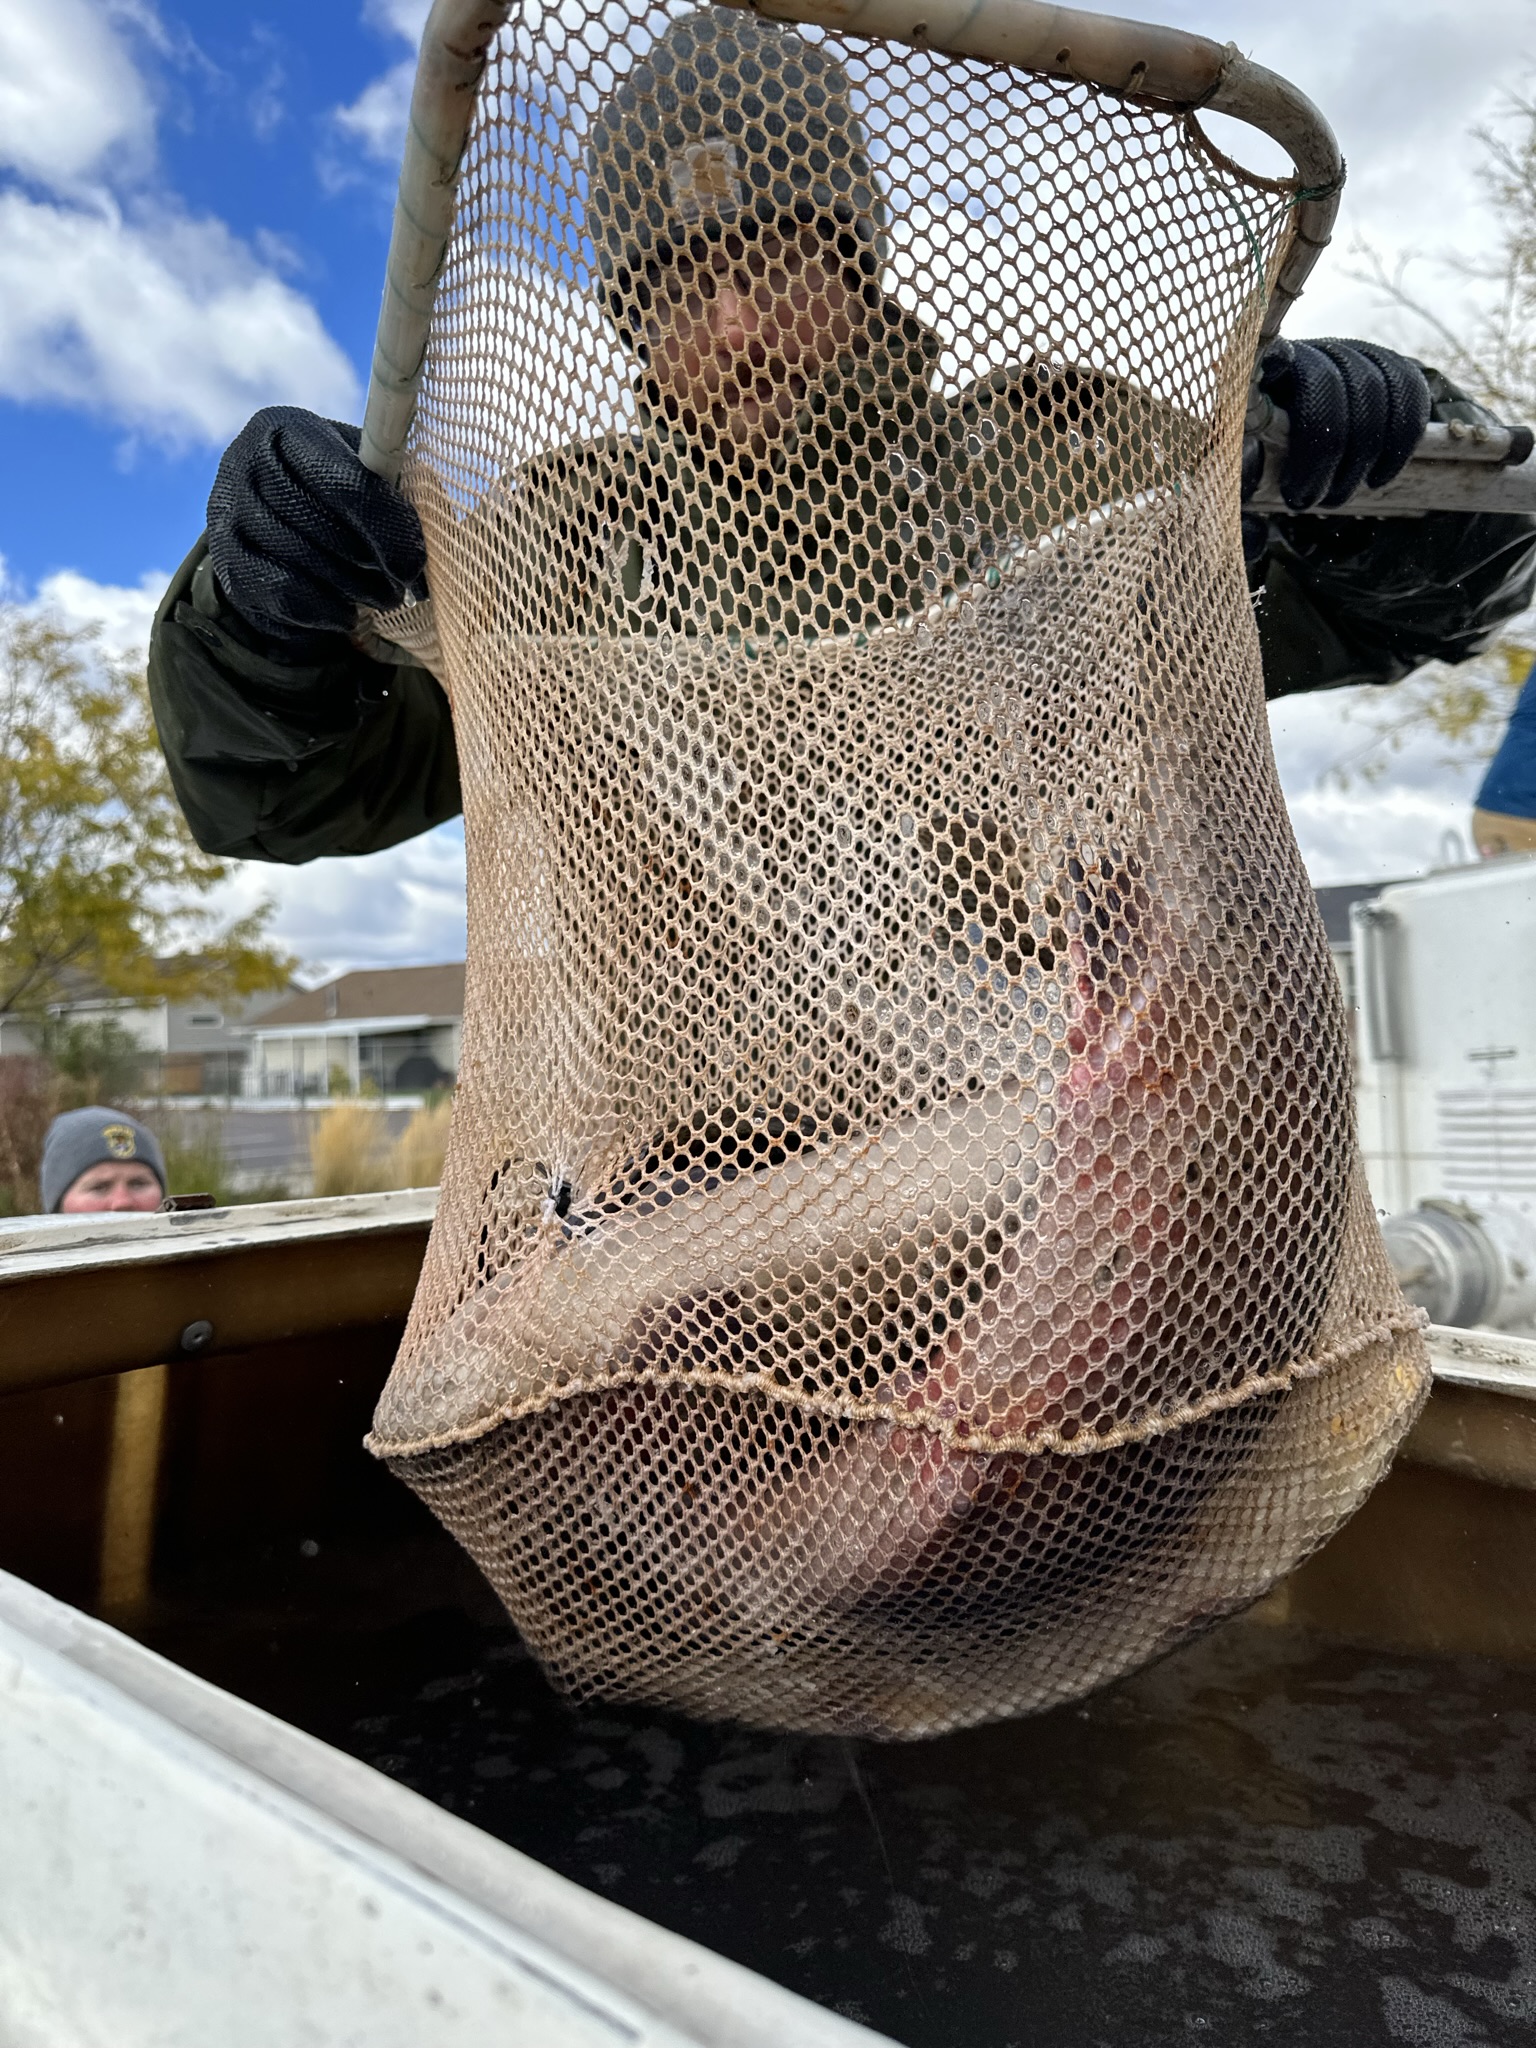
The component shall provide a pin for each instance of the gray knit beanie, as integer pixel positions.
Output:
(83, 1138)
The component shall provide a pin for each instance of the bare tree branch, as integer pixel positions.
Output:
(1490, 352)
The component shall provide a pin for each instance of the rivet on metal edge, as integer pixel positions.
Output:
(197, 1336)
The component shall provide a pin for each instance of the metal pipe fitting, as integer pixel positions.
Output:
(1465, 1266)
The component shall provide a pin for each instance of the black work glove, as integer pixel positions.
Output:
(301, 536)
(1356, 412)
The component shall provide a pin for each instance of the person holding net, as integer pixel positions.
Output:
(807, 486)
(288, 739)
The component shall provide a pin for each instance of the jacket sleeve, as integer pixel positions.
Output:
(1366, 600)
(282, 761)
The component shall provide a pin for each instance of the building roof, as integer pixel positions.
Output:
(1335, 902)
(348, 1027)
(375, 995)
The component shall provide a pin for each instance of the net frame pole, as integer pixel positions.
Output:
(1135, 59)
(455, 45)
(1454, 468)
(1140, 60)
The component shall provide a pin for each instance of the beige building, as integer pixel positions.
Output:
(199, 1048)
(393, 1029)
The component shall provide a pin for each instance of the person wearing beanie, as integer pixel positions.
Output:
(736, 231)
(97, 1160)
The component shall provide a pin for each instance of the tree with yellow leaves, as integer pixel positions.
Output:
(99, 875)
(1466, 708)
(1491, 354)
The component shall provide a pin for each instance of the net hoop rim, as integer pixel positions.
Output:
(1171, 69)
(1409, 1323)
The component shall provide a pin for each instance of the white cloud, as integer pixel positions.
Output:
(379, 910)
(386, 909)
(405, 18)
(1385, 834)
(113, 300)
(1365, 831)
(264, 103)
(166, 325)
(71, 98)
(376, 118)
(122, 612)
(1401, 86)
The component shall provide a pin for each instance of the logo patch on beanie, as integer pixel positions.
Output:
(703, 179)
(119, 1140)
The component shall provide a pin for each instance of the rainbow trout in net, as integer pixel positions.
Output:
(1110, 1170)
(902, 1257)
(1066, 1267)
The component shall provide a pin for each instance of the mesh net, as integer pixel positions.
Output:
(902, 1257)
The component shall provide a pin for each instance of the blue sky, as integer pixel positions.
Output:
(194, 210)
(222, 151)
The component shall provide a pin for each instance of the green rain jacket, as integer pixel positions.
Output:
(279, 761)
